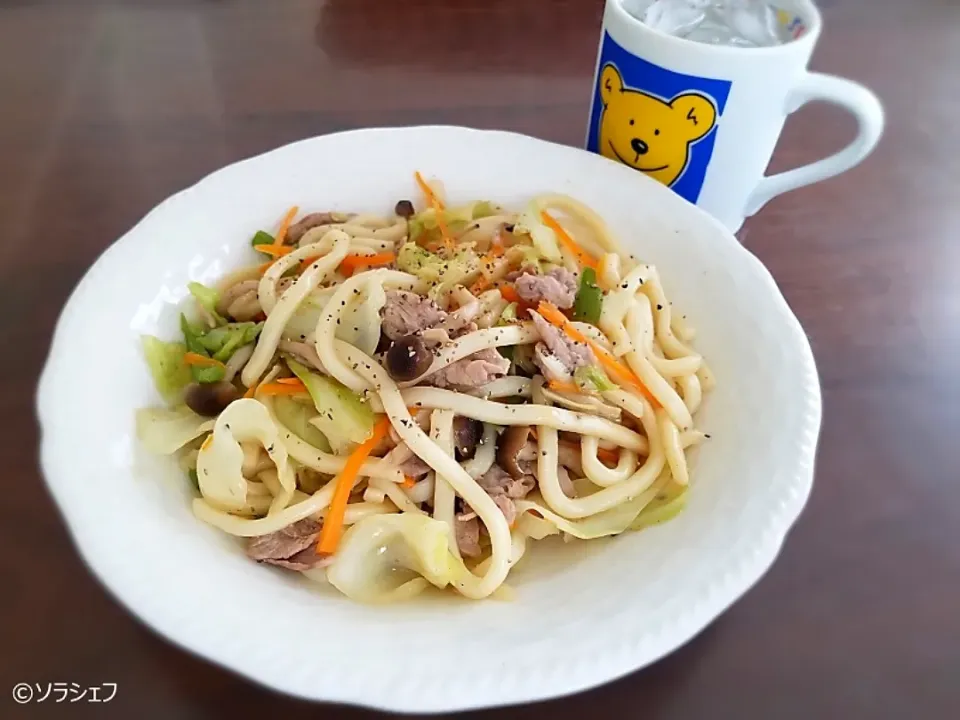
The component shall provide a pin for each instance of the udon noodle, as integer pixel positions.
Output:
(393, 403)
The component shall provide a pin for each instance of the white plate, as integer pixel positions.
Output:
(585, 613)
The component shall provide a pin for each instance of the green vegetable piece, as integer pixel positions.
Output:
(508, 315)
(529, 257)
(412, 258)
(415, 228)
(424, 224)
(296, 416)
(542, 237)
(207, 297)
(165, 360)
(589, 300)
(343, 417)
(483, 209)
(242, 334)
(262, 238)
(208, 374)
(666, 505)
(592, 378)
(214, 340)
(430, 267)
(192, 338)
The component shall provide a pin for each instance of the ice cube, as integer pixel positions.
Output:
(741, 23)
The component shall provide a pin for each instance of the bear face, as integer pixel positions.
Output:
(647, 133)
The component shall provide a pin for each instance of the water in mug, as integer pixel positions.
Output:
(741, 23)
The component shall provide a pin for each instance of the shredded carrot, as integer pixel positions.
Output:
(428, 191)
(486, 260)
(332, 528)
(277, 388)
(192, 358)
(408, 482)
(583, 257)
(252, 390)
(564, 386)
(437, 206)
(206, 442)
(352, 263)
(307, 262)
(284, 226)
(275, 251)
(510, 294)
(609, 457)
(480, 285)
(291, 381)
(552, 314)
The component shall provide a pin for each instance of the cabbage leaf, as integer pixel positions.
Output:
(389, 558)
(544, 239)
(666, 505)
(167, 367)
(342, 417)
(163, 431)
(295, 416)
(609, 522)
(220, 460)
(432, 268)
(207, 298)
(360, 321)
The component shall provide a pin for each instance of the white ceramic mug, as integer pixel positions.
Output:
(704, 119)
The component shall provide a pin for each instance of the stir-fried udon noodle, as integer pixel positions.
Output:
(398, 402)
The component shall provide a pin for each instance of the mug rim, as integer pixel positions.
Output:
(807, 10)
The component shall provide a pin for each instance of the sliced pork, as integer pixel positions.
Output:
(472, 371)
(308, 222)
(291, 547)
(414, 467)
(406, 313)
(504, 489)
(559, 286)
(467, 528)
(556, 355)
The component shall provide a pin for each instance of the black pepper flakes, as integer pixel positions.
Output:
(659, 306)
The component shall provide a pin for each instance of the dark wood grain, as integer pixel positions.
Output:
(108, 107)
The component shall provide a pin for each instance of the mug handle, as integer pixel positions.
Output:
(852, 96)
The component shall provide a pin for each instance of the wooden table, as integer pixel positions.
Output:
(108, 107)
